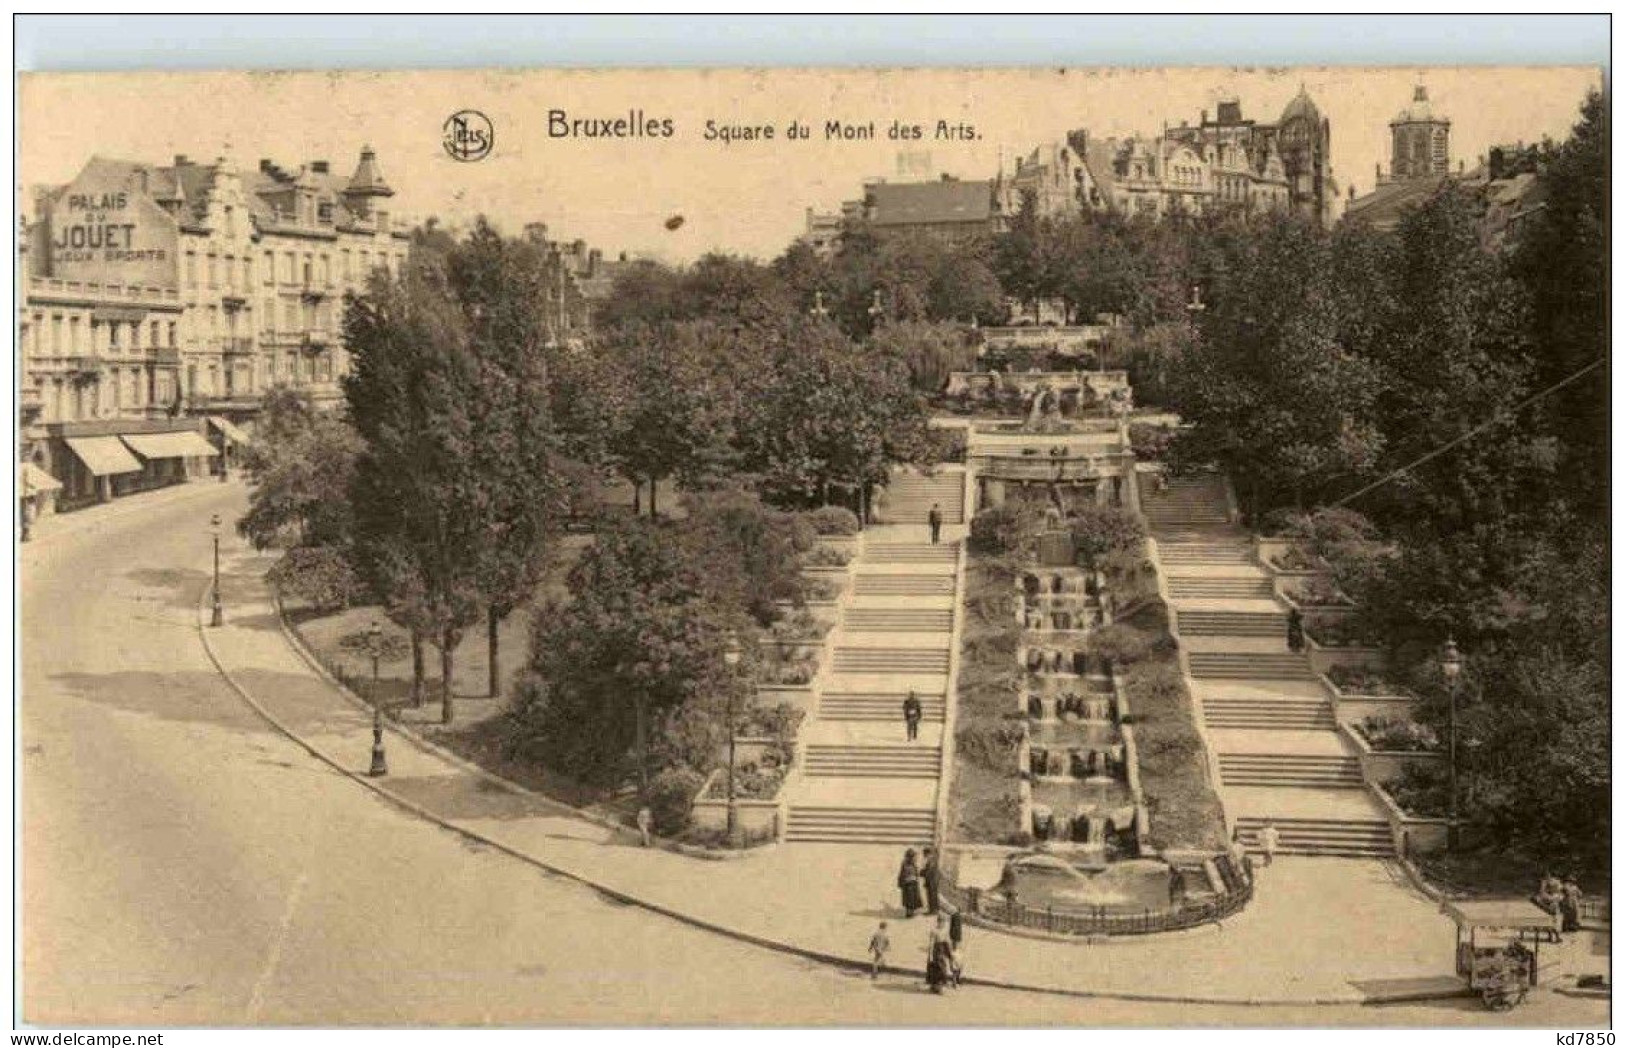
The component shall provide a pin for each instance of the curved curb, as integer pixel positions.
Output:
(738, 934)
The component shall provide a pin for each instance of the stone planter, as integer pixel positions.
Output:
(797, 695)
(1413, 834)
(1379, 766)
(756, 817)
(1322, 658)
(750, 749)
(797, 647)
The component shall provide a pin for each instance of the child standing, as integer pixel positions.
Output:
(879, 943)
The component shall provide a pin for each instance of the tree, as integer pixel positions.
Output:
(674, 412)
(824, 414)
(752, 553)
(516, 453)
(930, 351)
(416, 493)
(300, 467)
(636, 642)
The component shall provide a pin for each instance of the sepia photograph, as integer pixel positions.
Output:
(1078, 546)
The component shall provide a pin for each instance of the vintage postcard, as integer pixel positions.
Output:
(746, 547)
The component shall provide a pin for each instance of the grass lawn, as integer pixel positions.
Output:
(1185, 812)
(1489, 870)
(983, 801)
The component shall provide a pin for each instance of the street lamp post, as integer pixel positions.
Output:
(818, 307)
(1450, 663)
(380, 765)
(217, 614)
(730, 656)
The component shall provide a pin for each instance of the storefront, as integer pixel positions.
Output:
(36, 495)
(102, 460)
(229, 440)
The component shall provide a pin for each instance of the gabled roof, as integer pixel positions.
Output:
(929, 203)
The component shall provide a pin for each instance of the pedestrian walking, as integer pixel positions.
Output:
(1269, 838)
(934, 518)
(1294, 630)
(1569, 906)
(913, 712)
(931, 877)
(646, 824)
(956, 939)
(879, 943)
(908, 883)
(939, 956)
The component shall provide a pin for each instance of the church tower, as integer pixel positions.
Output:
(1421, 141)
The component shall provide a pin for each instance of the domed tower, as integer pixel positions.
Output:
(1421, 140)
(1305, 144)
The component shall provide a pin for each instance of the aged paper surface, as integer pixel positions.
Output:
(241, 805)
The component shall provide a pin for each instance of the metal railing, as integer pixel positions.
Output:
(976, 903)
(128, 292)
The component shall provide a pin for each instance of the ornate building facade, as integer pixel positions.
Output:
(155, 297)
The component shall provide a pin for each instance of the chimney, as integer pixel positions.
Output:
(319, 166)
(1204, 116)
(266, 165)
(180, 160)
(141, 180)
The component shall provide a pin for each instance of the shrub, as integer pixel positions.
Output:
(1398, 735)
(1293, 558)
(990, 743)
(1420, 790)
(822, 590)
(783, 665)
(801, 625)
(1004, 529)
(1150, 442)
(322, 576)
(1317, 593)
(780, 722)
(1122, 644)
(821, 556)
(752, 782)
(1358, 681)
(1340, 631)
(948, 445)
(1099, 532)
(833, 520)
(670, 796)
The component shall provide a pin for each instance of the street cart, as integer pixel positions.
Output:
(1498, 947)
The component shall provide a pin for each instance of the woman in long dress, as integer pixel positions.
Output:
(908, 882)
(939, 956)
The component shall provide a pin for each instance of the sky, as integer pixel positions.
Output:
(622, 194)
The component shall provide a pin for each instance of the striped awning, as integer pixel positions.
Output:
(232, 433)
(103, 456)
(31, 480)
(184, 443)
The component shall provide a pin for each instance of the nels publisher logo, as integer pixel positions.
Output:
(468, 135)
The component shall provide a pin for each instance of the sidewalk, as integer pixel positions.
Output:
(1319, 931)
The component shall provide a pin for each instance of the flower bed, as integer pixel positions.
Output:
(1396, 735)
(1355, 680)
(826, 556)
(787, 664)
(1339, 631)
(824, 590)
(1293, 559)
(833, 520)
(1420, 791)
(1315, 592)
(800, 626)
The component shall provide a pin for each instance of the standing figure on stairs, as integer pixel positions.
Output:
(1269, 839)
(934, 518)
(913, 712)
(1294, 630)
(908, 883)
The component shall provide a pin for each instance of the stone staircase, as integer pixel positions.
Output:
(884, 706)
(1291, 769)
(1350, 838)
(861, 781)
(902, 761)
(1224, 711)
(1269, 721)
(910, 495)
(1249, 665)
(1220, 587)
(896, 585)
(900, 620)
(849, 825)
(1187, 502)
(1196, 622)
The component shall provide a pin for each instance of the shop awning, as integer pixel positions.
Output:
(103, 456)
(31, 480)
(184, 443)
(233, 434)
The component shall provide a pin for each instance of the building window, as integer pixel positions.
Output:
(349, 273)
(152, 335)
(290, 315)
(325, 272)
(248, 272)
(171, 334)
(270, 267)
(112, 334)
(324, 213)
(287, 267)
(74, 344)
(214, 271)
(191, 268)
(306, 271)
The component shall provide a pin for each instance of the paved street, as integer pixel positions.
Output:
(184, 863)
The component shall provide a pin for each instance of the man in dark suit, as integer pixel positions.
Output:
(934, 518)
